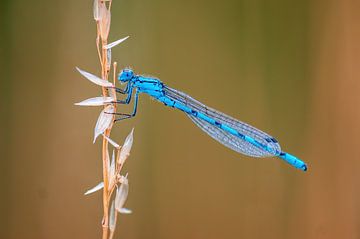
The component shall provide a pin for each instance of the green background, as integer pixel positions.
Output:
(290, 68)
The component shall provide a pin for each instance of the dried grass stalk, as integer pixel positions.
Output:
(113, 181)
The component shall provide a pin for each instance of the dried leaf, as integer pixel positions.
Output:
(112, 219)
(121, 194)
(104, 121)
(108, 59)
(125, 150)
(96, 9)
(111, 169)
(102, 10)
(96, 101)
(112, 142)
(104, 25)
(124, 179)
(115, 43)
(94, 189)
(125, 211)
(94, 79)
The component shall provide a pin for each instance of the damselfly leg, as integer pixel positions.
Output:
(127, 101)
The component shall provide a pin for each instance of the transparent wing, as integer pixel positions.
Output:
(229, 140)
(225, 138)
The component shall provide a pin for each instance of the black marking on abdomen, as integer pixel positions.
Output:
(193, 112)
(240, 135)
(218, 124)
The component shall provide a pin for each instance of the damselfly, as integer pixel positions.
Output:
(230, 132)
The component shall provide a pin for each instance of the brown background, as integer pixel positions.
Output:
(290, 68)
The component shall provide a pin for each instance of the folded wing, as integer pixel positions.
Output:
(231, 141)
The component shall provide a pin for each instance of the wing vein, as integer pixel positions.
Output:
(231, 141)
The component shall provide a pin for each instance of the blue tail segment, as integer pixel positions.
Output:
(294, 161)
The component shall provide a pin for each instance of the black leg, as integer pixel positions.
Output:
(121, 91)
(128, 116)
(128, 98)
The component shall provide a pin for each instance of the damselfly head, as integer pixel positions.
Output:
(126, 75)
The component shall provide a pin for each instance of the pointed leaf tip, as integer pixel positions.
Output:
(112, 142)
(94, 189)
(125, 211)
(125, 150)
(115, 43)
(96, 10)
(96, 101)
(94, 79)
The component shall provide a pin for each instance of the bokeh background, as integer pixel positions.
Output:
(290, 68)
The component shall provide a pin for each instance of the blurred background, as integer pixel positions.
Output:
(290, 68)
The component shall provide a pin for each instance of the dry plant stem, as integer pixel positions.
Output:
(112, 178)
(105, 153)
(109, 184)
(98, 42)
(105, 223)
